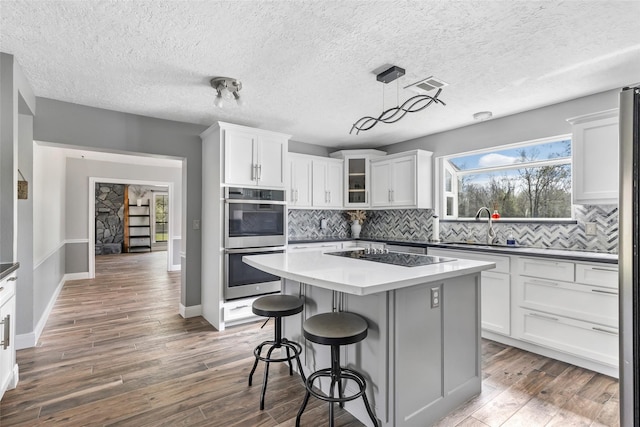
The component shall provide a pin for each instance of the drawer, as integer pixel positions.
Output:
(236, 310)
(581, 339)
(546, 269)
(503, 263)
(582, 302)
(599, 275)
(7, 288)
(314, 247)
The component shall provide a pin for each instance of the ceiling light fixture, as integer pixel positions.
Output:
(226, 88)
(412, 105)
(482, 115)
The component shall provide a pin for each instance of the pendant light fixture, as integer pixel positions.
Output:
(226, 89)
(412, 105)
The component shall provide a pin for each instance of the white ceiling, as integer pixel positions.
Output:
(307, 67)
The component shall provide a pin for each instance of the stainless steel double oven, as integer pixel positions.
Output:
(255, 222)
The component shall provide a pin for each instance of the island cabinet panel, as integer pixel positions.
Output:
(437, 350)
(420, 362)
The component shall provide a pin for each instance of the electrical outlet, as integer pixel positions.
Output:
(196, 224)
(435, 297)
(590, 229)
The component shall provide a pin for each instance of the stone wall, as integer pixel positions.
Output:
(109, 218)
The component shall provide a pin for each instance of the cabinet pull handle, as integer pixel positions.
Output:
(540, 282)
(393, 195)
(605, 269)
(542, 316)
(604, 292)
(595, 328)
(7, 332)
(12, 279)
(239, 307)
(253, 172)
(259, 172)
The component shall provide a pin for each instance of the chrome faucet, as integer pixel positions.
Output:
(491, 233)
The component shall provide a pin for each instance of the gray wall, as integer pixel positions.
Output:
(16, 97)
(104, 130)
(26, 291)
(526, 126)
(312, 149)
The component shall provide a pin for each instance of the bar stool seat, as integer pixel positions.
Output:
(276, 306)
(336, 329)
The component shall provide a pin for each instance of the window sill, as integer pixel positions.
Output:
(550, 221)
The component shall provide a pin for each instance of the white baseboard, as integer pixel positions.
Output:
(191, 311)
(30, 339)
(76, 276)
(175, 267)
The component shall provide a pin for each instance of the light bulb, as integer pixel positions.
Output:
(218, 100)
(239, 100)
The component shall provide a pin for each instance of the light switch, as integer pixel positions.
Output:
(590, 229)
(196, 224)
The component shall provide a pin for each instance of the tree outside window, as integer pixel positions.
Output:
(161, 224)
(528, 181)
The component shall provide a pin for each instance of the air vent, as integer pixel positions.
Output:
(427, 85)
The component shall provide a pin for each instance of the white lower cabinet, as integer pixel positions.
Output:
(321, 246)
(582, 339)
(8, 367)
(563, 309)
(571, 308)
(495, 289)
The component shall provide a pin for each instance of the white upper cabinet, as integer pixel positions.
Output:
(314, 182)
(253, 157)
(402, 180)
(327, 183)
(300, 176)
(595, 158)
(357, 181)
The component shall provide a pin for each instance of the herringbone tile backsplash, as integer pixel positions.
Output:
(416, 224)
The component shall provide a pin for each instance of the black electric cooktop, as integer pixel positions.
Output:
(395, 258)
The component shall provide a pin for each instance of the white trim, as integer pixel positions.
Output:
(47, 256)
(176, 267)
(76, 241)
(76, 276)
(92, 214)
(191, 311)
(30, 339)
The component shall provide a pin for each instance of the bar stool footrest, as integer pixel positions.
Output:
(345, 374)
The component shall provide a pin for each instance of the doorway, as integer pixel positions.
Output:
(166, 224)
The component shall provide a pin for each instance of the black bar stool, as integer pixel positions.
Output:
(336, 329)
(276, 306)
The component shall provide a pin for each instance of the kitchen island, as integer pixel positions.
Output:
(421, 357)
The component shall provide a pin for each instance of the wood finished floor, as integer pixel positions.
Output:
(115, 351)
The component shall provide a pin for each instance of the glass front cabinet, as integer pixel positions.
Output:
(357, 178)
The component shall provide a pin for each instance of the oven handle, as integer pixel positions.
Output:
(256, 202)
(249, 250)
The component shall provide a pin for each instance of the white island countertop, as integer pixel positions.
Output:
(355, 276)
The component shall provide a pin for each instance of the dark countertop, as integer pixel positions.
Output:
(567, 254)
(6, 268)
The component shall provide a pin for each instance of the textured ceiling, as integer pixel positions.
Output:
(307, 67)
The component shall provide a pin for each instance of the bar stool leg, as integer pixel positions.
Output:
(255, 364)
(266, 378)
(304, 405)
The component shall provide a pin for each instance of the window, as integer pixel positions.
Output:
(529, 180)
(161, 217)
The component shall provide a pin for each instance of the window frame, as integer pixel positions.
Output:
(447, 167)
(153, 216)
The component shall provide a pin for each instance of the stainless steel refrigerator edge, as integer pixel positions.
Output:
(628, 257)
